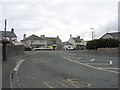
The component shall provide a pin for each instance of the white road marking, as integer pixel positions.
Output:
(96, 63)
(110, 62)
(91, 66)
(18, 65)
(111, 68)
(92, 60)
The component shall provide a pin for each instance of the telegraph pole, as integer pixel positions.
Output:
(4, 43)
(5, 27)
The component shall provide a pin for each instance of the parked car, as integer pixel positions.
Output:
(68, 47)
(28, 48)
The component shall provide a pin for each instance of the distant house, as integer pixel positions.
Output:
(38, 42)
(10, 35)
(77, 42)
(115, 35)
(34, 41)
(55, 42)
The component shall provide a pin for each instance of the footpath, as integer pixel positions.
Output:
(9, 64)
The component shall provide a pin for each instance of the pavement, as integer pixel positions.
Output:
(7, 67)
(66, 69)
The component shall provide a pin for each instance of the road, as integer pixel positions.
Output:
(66, 69)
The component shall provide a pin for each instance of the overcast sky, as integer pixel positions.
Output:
(60, 17)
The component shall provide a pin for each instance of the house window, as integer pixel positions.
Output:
(54, 42)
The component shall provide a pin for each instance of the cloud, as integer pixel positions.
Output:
(63, 17)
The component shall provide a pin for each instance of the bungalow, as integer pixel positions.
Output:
(77, 42)
(115, 35)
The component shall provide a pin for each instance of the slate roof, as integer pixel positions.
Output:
(8, 34)
(52, 38)
(115, 34)
(35, 37)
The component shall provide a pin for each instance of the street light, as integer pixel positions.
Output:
(94, 37)
(93, 33)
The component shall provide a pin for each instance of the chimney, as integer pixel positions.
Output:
(78, 37)
(43, 36)
(70, 35)
(12, 30)
(57, 36)
(24, 36)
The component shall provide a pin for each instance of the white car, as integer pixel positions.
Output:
(68, 47)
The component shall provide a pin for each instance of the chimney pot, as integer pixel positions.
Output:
(12, 30)
(43, 36)
(57, 36)
(24, 36)
(78, 36)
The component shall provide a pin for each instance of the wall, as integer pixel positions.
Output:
(13, 50)
(113, 51)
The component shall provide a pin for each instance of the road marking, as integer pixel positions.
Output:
(92, 60)
(97, 64)
(110, 62)
(90, 66)
(71, 83)
(18, 65)
(62, 84)
(48, 85)
(111, 68)
(75, 80)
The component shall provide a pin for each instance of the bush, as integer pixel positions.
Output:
(102, 43)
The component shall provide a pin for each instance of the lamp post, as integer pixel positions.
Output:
(93, 33)
(93, 38)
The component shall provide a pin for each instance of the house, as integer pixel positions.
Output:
(39, 42)
(34, 41)
(114, 35)
(10, 36)
(77, 42)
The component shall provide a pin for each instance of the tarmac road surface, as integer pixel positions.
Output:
(66, 69)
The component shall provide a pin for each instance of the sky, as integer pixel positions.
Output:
(60, 17)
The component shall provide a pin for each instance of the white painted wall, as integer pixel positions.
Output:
(72, 41)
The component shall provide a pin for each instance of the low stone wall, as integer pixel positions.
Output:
(108, 50)
(13, 50)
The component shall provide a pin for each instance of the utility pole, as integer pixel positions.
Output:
(4, 43)
(5, 27)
